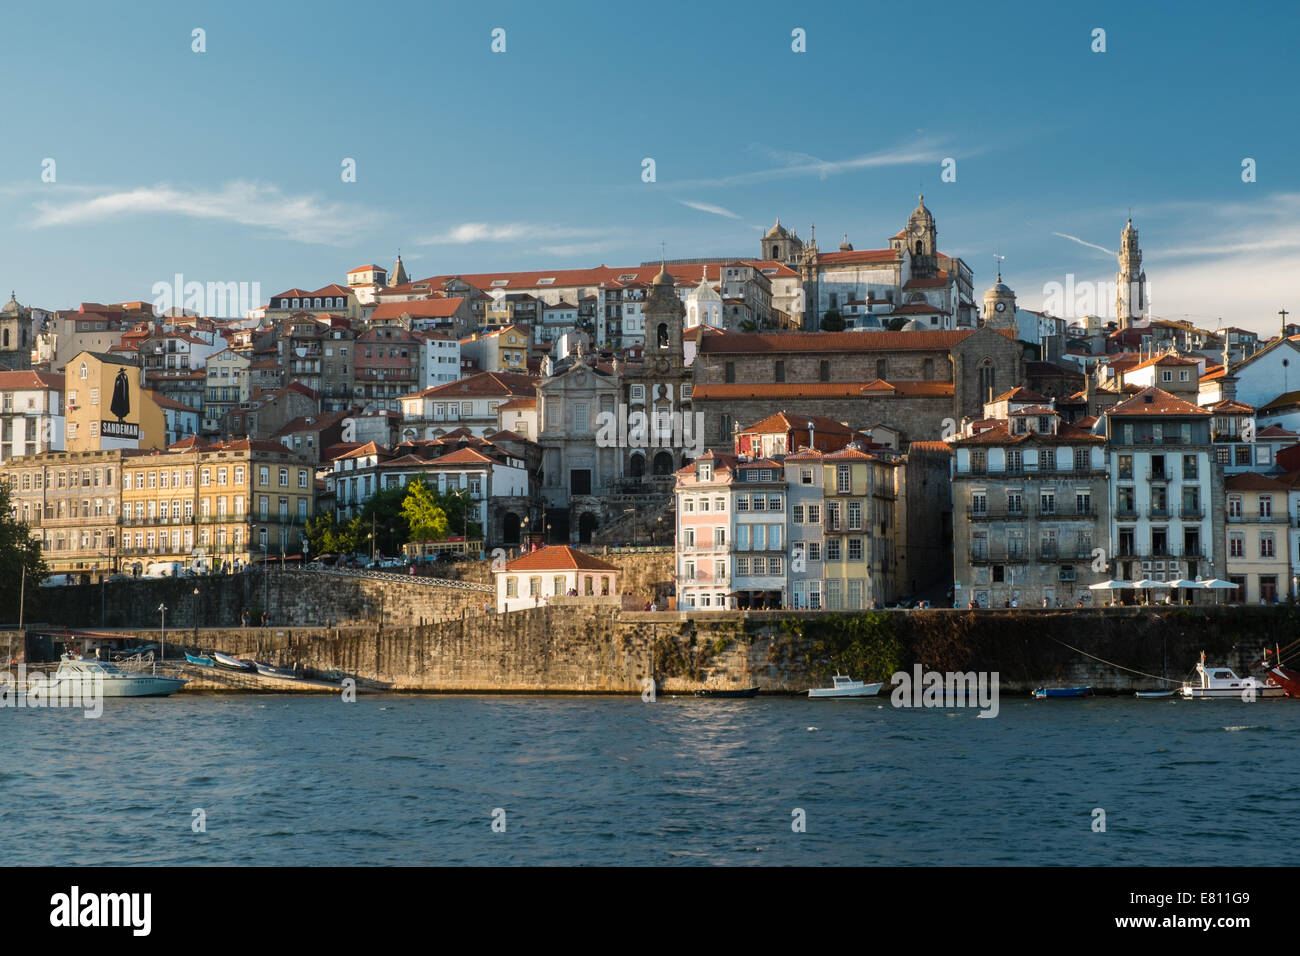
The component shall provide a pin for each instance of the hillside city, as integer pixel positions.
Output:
(805, 429)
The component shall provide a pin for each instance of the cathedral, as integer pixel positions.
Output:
(17, 336)
(910, 281)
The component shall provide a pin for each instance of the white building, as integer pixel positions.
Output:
(31, 413)
(538, 577)
(439, 358)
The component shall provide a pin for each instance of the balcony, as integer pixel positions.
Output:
(1191, 511)
(996, 515)
(997, 555)
(1153, 475)
(1065, 514)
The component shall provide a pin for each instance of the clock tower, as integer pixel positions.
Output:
(1000, 306)
(922, 242)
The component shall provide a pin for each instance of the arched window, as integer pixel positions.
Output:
(987, 380)
(5, 338)
(920, 248)
(775, 252)
(663, 335)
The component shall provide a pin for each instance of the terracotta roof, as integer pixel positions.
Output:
(1020, 394)
(1156, 401)
(369, 448)
(463, 456)
(1282, 401)
(440, 308)
(1230, 406)
(1000, 434)
(558, 557)
(1251, 481)
(517, 403)
(482, 385)
(783, 422)
(930, 446)
(370, 268)
(1275, 431)
(16, 381)
(507, 435)
(857, 257)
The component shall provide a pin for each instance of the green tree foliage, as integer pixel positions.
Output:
(424, 516)
(896, 325)
(832, 321)
(17, 551)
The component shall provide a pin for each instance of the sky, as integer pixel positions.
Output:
(227, 165)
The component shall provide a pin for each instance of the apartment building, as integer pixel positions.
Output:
(31, 413)
(1258, 525)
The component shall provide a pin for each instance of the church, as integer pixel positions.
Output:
(868, 289)
(17, 336)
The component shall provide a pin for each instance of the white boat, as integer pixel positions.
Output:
(89, 678)
(1222, 682)
(844, 686)
(233, 663)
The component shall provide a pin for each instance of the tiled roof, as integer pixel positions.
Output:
(558, 557)
(482, 385)
(1156, 401)
(16, 381)
(1251, 481)
(756, 343)
(783, 422)
(439, 308)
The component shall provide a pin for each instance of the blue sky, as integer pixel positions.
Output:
(225, 165)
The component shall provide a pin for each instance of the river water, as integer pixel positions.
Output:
(415, 780)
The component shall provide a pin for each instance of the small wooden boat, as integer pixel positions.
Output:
(270, 670)
(233, 663)
(200, 660)
(1288, 678)
(709, 692)
(1154, 694)
(1043, 692)
(844, 686)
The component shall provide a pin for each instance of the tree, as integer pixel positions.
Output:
(426, 519)
(459, 506)
(896, 325)
(832, 321)
(327, 536)
(18, 550)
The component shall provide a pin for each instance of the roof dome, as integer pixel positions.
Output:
(664, 277)
(913, 325)
(920, 213)
(845, 245)
(11, 306)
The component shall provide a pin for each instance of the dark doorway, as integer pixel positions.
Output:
(586, 525)
(510, 529)
(580, 481)
(663, 464)
(636, 467)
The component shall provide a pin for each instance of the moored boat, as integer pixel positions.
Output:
(1154, 694)
(233, 663)
(200, 660)
(843, 685)
(90, 678)
(1043, 692)
(270, 670)
(1222, 683)
(709, 692)
(1288, 678)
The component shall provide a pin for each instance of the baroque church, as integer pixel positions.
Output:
(17, 336)
(613, 433)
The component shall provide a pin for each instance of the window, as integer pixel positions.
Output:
(814, 550)
(843, 479)
(1267, 547)
(855, 515)
(284, 477)
(805, 476)
(730, 372)
(855, 549)
(796, 514)
(779, 371)
(1015, 459)
(205, 478)
(833, 550)
(814, 514)
(302, 477)
(264, 475)
(742, 502)
(512, 587)
(979, 502)
(1236, 545)
(1266, 506)
(824, 371)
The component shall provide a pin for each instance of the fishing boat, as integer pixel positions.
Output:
(844, 686)
(90, 678)
(200, 660)
(1287, 677)
(270, 670)
(1043, 692)
(1215, 683)
(708, 692)
(233, 663)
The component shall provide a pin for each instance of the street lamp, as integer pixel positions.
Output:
(659, 523)
(196, 616)
(162, 640)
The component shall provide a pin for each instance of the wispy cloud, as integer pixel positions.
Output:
(300, 218)
(1084, 242)
(469, 232)
(709, 208)
(804, 164)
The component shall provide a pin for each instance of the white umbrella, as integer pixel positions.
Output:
(1148, 583)
(1111, 585)
(1183, 583)
(1217, 583)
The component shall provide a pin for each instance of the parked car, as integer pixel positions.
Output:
(59, 580)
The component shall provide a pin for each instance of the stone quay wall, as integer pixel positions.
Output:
(599, 648)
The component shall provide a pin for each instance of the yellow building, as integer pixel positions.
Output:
(216, 505)
(860, 551)
(106, 407)
(72, 502)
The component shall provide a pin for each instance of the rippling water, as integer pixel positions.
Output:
(414, 780)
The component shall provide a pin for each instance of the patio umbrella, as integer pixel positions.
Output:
(1182, 583)
(1111, 585)
(1217, 583)
(1148, 583)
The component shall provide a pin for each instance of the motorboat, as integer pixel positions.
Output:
(1043, 692)
(1154, 694)
(89, 678)
(233, 663)
(200, 660)
(842, 685)
(1222, 682)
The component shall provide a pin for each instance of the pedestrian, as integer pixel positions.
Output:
(412, 570)
(243, 618)
(266, 619)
